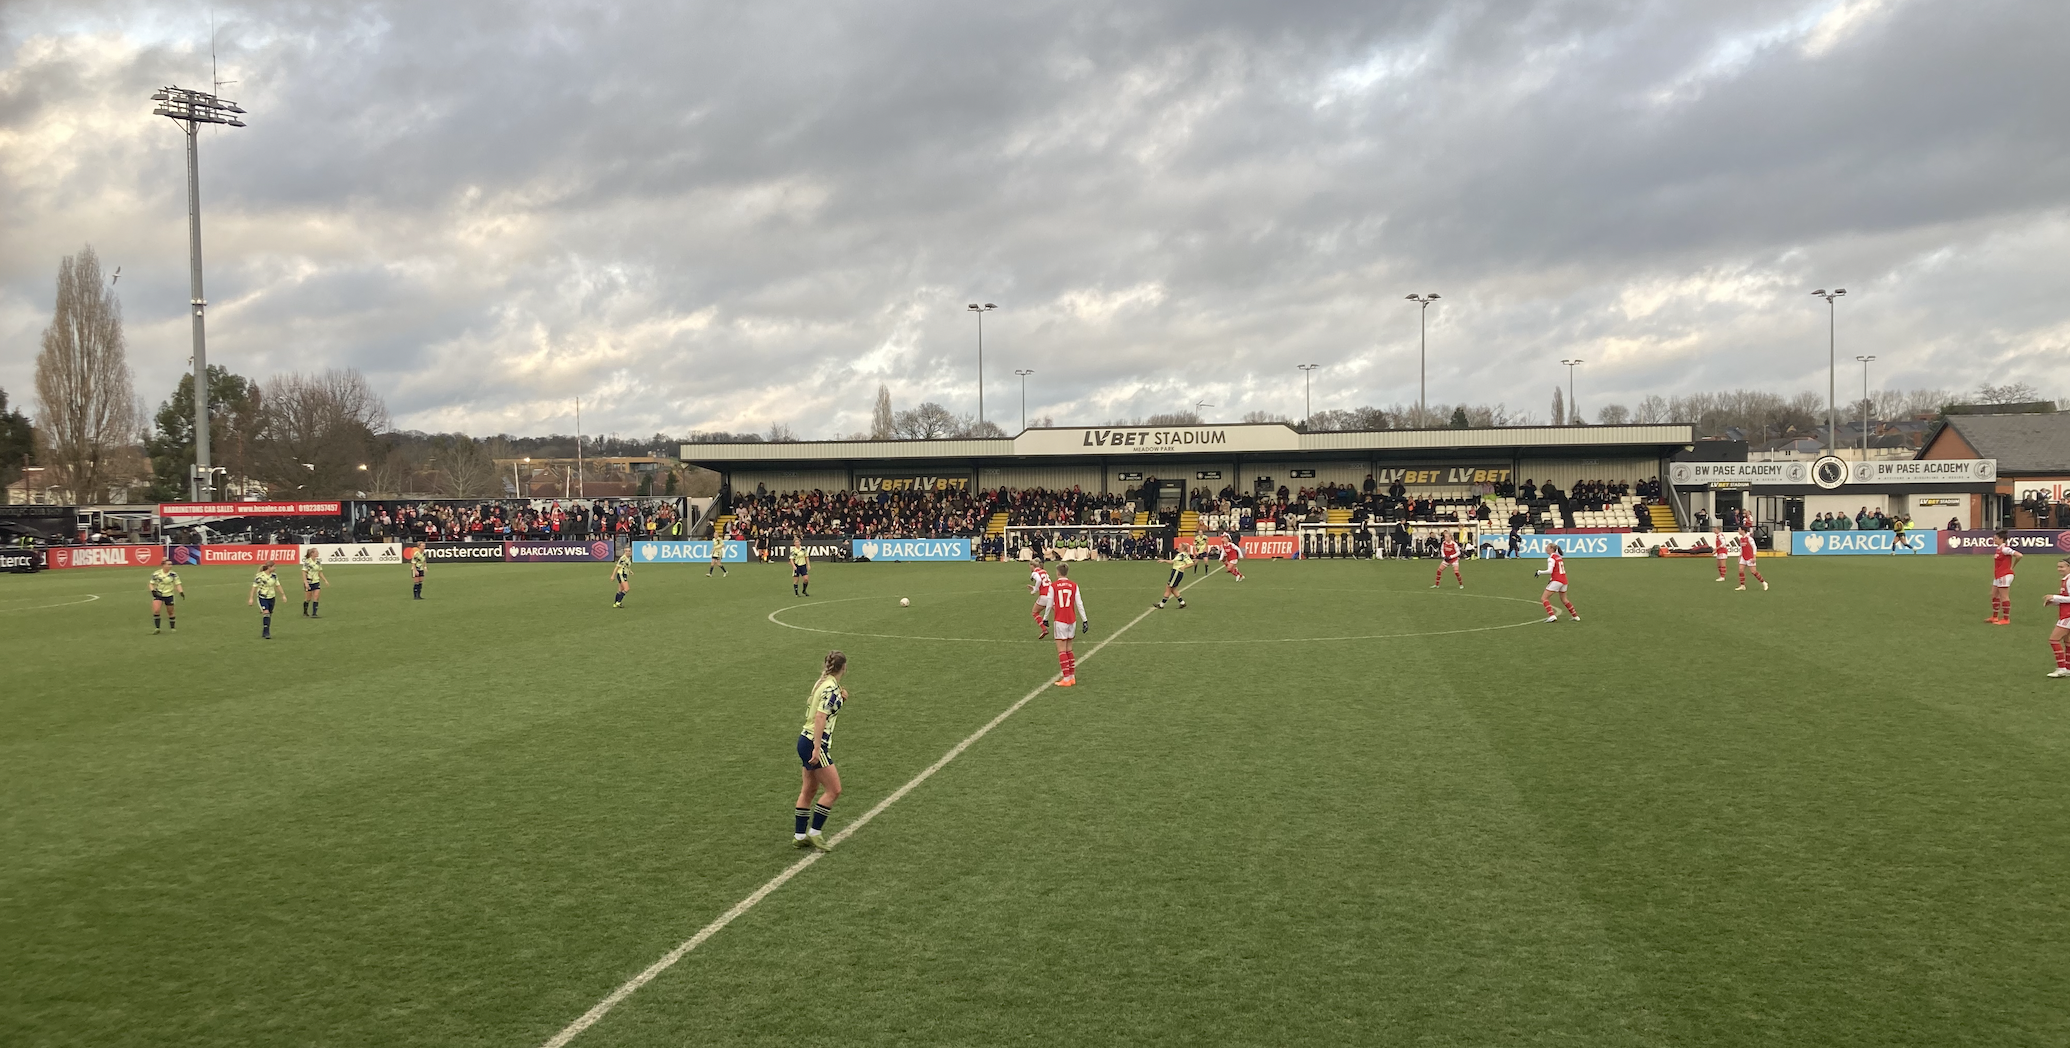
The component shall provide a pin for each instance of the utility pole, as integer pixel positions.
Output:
(1865, 405)
(981, 311)
(1573, 409)
(1024, 373)
(579, 489)
(1832, 365)
(191, 109)
(1422, 358)
(1307, 393)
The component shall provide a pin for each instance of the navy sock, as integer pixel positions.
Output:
(819, 817)
(417, 589)
(172, 621)
(806, 591)
(265, 625)
(798, 818)
(313, 606)
(154, 622)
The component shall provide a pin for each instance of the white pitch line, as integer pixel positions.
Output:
(88, 599)
(668, 960)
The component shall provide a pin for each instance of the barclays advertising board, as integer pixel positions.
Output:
(732, 551)
(911, 549)
(1594, 544)
(1859, 543)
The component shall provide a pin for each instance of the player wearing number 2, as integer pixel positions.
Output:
(1555, 566)
(1067, 618)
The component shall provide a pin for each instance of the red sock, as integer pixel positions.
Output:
(1758, 578)
(1440, 577)
(2062, 653)
(1570, 608)
(1548, 605)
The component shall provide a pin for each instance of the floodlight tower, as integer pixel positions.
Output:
(190, 110)
(1422, 355)
(1832, 365)
(981, 310)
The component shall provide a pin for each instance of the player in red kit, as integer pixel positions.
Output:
(1232, 556)
(1718, 550)
(1556, 566)
(1067, 617)
(2003, 560)
(1040, 584)
(2059, 637)
(1746, 557)
(1448, 557)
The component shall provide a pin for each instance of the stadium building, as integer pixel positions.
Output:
(1158, 467)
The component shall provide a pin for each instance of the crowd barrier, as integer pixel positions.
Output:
(1860, 543)
(698, 551)
(910, 549)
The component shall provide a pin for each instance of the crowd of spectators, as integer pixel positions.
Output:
(1864, 519)
(536, 520)
(877, 515)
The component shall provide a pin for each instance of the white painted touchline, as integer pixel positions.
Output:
(668, 960)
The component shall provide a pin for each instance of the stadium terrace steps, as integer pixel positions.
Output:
(1663, 518)
(720, 525)
(1189, 524)
(997, 525)
(1337, 517)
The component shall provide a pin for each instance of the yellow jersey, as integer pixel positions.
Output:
(312, 571)
(267, 584)
(827, 697)
(799, 557)
(1181, 560)
(164, 582)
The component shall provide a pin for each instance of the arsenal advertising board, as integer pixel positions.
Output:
(105, 556)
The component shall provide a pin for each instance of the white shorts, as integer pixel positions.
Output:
(1746, 562)
(1042, 600)
(1557, 587)
(2002, 582)
(1063, 630)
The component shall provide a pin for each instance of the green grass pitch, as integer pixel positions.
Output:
(1831, 814)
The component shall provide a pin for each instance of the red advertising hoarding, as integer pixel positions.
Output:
(195, 510)
(209, 556)
(105, 556)
(1271, 547)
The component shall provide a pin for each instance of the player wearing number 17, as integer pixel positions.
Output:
(1067, 619)
(1555, 566)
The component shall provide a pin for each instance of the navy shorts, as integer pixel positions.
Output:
(312, 586)
(163, 598)
(266, 605)
(805, 752)
(1178, 579)
(798, 570)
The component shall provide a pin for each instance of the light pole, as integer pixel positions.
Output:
(1832, 365)
(1422, 354)
(1865, 405)
(1307, 397)
(1024, 373)
(1573, 410)
(191, 109)
(981, 311)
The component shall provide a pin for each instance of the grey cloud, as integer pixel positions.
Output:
(720, 216)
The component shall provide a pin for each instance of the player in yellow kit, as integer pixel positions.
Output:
(622, 573)
(312, 582)
(266, 588)
(801, 568)
(1181, 560)
(820, 784)
(165, 585)
(417, 563)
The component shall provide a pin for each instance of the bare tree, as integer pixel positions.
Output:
(782, 433)
(1174, 418)
(1265, 416)
(883, 421)
(1559, 412)
(1653, 408)
(465, 469)
(86, 401)
(317, 430)
(969, 428)
(1613, 415)
(929, 421)
(2010, 393)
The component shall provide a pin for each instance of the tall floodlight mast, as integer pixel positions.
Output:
(190, 110)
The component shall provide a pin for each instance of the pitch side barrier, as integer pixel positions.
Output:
(2030, 541)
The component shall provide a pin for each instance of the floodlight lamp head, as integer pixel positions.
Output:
(1839, 291)
(973, 305)
(989, 305)
(1432, 294)
(1820, 291)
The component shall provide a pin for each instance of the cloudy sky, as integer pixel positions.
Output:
(720, 216)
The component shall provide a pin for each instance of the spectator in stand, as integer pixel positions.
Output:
(1954, 524)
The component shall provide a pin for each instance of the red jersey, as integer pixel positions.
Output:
(1450, 551)
(1068, 606)
(1039, 582)
(1746, 547)
(1718, 544)
(2063, 604)
(2001, 561)
(1556, 564)
(1232, 549)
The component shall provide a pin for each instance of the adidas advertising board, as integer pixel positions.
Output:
(1859, 543)
(1676, 544)
(344, 554)
(910, 549)
(1592, 544)
(731, 551)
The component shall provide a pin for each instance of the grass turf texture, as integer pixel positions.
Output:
(1829, 814)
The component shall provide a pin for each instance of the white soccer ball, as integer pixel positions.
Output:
(904, 603)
